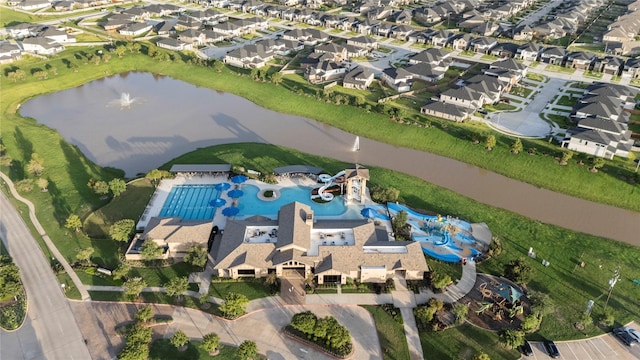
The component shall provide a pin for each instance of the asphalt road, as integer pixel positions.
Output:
(50, 330)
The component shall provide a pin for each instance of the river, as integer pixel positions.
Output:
(168, 118)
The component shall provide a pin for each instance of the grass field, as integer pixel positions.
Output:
(162, 349)
(251, 289)
(464, 342)
(393, 340)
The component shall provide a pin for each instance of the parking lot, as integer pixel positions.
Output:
(603, 347)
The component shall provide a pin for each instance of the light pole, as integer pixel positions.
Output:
(612, 283)
(637, 166)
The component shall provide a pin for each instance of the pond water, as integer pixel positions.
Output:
(168, 117)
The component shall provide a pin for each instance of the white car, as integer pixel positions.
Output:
(634, 333)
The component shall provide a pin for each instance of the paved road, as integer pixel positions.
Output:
(50, 331)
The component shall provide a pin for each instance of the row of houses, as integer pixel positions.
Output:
(621, 34)
(459, 103)
(34, 39)
(602, 121)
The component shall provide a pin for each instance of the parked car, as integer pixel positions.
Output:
(525, 349)
(634, 333)
(551, 349)
(624, 336)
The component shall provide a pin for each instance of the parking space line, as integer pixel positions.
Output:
(582, 346)
(571, 349)
(591, 342)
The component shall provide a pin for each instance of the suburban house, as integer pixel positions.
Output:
(365, 42)
(464, 96)
(331, 250)
(609, 65)
(9, 52)
(553, 55)
(580, 60)
(249, 56)
(505, 50)
(324, 71)
(522, 33)
(398, 79)
(529, 51)
(483, 44)
(337, 52)
(41, 46)
(446, 111)
(602, 122)
(433, 56)
(58, 36)
(309, 37)
(173, 44)
(135, 29)
(358, 78)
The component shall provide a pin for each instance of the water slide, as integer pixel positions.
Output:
(328, 181)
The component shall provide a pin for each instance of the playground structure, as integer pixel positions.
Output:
(445, 238)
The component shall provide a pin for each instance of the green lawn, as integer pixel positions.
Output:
(464, 342)
(162, 349)
(561, 69)
(454, 270)
(161, 275)
(535, 77)
(251, 288)
(567, 101)
(10, 17)
(393, 340)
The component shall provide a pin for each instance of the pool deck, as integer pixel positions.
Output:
(164, 188)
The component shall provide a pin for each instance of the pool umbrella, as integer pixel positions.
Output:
(368, 213)
(230, 211)
(235, 193)
(238, 179)
(217, 202)
(222, 186)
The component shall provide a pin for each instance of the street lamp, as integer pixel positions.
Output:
(612, 283)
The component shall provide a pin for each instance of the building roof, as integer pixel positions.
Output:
(200, 168)
(175, 230)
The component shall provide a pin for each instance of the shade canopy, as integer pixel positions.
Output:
(238, 179)
(230, 211)
(368, 212)
(508, 292)
(223, 186)
(218, 202)
(235, 193)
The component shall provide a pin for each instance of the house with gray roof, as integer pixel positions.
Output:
(9, 52)
(446, 111)
(174, 235)
(358, 78)
(331, 250)
(398, 79)
(41, 46)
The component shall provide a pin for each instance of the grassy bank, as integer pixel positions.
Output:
(448, 139)
(463, 342)
(391, 335)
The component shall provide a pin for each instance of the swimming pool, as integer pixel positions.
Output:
(249, 203)
(190, 202)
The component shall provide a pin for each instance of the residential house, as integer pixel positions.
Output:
(446, 111)
(402, 32)
(402, 17)
(365, 42)
(426, 15)
(483, 45)
(488, 28)
(187, 22)
(491, 87)
(29, 5)
(609, 65)
(580, 60)
(529, 51)
(631, 68)
(426, 72)
(384, 29)
(23, 30)
(433, 56)
(324, 71)
(338, 53)
(442, 38)
(553, 55)
(368, 26)
(505, 50)
(173, 44)
(516, 70)
(398, 79)
(58, 36)
(192, 36)
(463, 96)
(249, 56)
(40, 46)
(359, 78)
(522, 33)
(309, 37)
(135, 29)
(462, 41)
(9, 52)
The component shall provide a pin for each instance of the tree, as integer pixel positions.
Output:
(122, 230)
(320, 330)
(439, 281)
(120, 50)
(490, 143)
(144, 314)
(99, 187)
(597, 163)
(24, 185)
(481, 356)
(399, 224)
(337, 335)
(304, 321)
(134, 352)
(519, 271)
(84, 255)
(177, 286)
(156, 175)
(566, 156)
(150, 250)
(247, 350)
(541, 303)
(138, 334)
(73, 222)
(12, 76)
(196, 256)
(516, 147)
(424, 315)
(133, 287)
(35, 165)
(43, 184)
(511, 338)
(530, 323)
(21, 75)
(234, 305)
(121, 271)
(179, 340)
(276, 78)
(210, 342)
(117, 186)
(218, 65)
(10, 284)
(460, 311)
